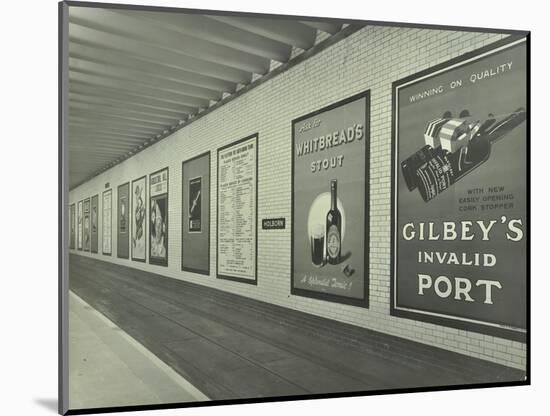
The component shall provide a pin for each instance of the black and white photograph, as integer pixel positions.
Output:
(158, 218)
(262, 208)
(139, 216)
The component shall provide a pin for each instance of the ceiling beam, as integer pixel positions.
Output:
(105, 115)
(127, 33)
(118, 123)
(285, 31)
(325, 26)
(160, 63)
(135, 134)
(217, 32)
(130, 96)
(142, 78)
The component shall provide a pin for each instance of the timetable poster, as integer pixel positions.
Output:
(237, 205)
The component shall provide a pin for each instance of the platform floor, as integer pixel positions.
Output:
(107, 368)
(231, 347)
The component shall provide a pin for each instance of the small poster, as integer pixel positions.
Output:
(138, 219)
(123, 220)
(459, 241)
(79, 226)
(330, 190)
(107, 222)
(86, 236)
(195, 215)
(237, 207)
(195, 240)
(72, 227)
(94, 219)
(158, 217)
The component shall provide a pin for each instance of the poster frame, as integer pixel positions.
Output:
(79, 228)
(143, 260)
(96, 250)
(183, 183)
(118, 220)
(89, 200)
(110, 190)
(153, 260)
(254, 281)
(360, 302)
(426, 315)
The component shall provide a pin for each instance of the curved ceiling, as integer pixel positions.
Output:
(135, 76)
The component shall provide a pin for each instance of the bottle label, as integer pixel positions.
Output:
(333, 242)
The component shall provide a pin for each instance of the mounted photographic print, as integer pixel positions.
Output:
(79, 226)
(237, 224)
(139, 215)
(309, 207)
(93, 223)
(158, 218)
(123, 220)
(72, 227)
(460, 195)
(107, 222)
(86, 226)
(195, 241)
(330, 190)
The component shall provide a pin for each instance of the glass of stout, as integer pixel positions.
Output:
(317, 240)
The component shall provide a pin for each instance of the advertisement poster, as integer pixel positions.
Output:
(330, 188)
(158, 217)
(139, 214)
(123, 221)
(107, 222)
(79, 227)
(72, 229)
(86, 237)
(93, 221)
(459, 193)
(195, 245)
(237, 207)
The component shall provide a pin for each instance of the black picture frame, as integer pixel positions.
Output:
(425, 315)
(123, 246)
(220, 149)
(154, 260)
(184, 268)
(110, 192)
(364, 302)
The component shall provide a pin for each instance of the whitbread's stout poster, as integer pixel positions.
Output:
(330, 164)
(158, 217)
(459, 203)
(237, 207)
(107, 222)
(139, 201)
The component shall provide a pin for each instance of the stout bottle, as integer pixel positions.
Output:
(334, 227)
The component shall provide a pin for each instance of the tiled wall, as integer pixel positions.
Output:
(371, 58)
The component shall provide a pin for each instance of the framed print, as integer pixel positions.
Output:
(72, 231)
(330, 202)
(79, 226)
(86, 226)
(93, 223)
(158, 217)
(123, 220)
(107, 222)
(459, 192)
(237, 222)
(195, 244)
(139, 215)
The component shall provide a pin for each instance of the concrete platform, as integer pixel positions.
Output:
(231, 347)
(107, 368)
